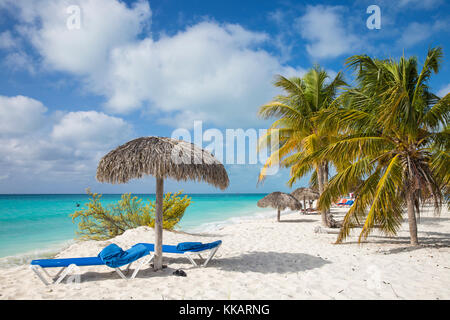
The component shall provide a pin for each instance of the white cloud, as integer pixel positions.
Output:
(326, 29)
(15, 57)
(7, 41)
(212, 72)
(444, 91)
(104, 25)
(419, 4)
(277, 16)
(416, 32)
(19, 61)
(20, 115)
(40, 145)
(90, 130)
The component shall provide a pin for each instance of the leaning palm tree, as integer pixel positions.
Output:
(395, 137)
(299, 134)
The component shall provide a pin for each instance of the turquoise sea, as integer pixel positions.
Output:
(39, 225)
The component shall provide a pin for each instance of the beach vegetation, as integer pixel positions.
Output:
(99, 222)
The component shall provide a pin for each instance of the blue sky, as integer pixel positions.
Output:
(139, 68)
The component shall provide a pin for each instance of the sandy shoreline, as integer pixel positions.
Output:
(263, 259)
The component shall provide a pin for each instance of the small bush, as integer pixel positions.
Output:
(97, 222)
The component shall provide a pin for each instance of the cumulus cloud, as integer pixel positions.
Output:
(90, 130)
(20, 115)
(217, 73)
(19, 61)
(39, 144)
(327, 32)
(211, 72)
(15, 57)
(7, 41)
(105, 24)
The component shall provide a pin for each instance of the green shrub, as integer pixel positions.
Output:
(97, 222)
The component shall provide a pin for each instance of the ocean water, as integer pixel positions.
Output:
(33, 226)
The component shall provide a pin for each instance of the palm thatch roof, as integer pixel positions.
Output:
(164, 158)
(305, 193)
(279, 200)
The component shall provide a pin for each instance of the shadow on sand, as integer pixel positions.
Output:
(430, 220)
(260, 262)
(146, 272)
(439, 240)
(270, 262)
(298, 221)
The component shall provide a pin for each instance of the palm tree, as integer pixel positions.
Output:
(299, 134)
(394, 134)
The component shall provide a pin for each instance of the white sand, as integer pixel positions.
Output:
(263, 259)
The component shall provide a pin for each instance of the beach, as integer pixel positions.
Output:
(263, 259)
(37, 226)
(135, 127)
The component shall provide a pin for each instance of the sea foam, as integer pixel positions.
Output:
(25, 258)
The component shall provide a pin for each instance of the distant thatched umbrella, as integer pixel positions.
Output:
(305, 194)
(279, 201)
(162, 158)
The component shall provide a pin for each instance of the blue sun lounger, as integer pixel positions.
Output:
(112, 256)
(188, 249)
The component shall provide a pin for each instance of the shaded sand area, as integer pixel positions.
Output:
(263, 259)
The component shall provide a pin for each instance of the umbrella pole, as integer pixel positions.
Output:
(157, 262)
(278, 216)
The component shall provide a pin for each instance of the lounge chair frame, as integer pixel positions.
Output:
(64, 271)
(212, 252)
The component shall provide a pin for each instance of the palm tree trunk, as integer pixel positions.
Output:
(157, 262)
(319, 178)
(330, 222)
(325, 175)
(278, 216)
(320, 182)
(417, 206)
(412, 218)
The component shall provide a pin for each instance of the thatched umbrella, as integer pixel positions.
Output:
(305, 194)
(162, 158)
(279, 201)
